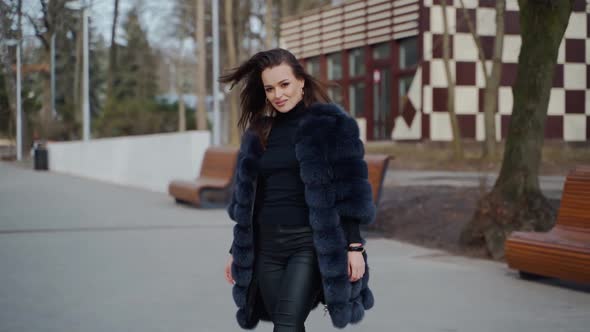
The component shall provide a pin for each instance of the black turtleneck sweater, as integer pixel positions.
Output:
(280, 195)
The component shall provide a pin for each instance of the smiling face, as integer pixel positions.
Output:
(282, 88)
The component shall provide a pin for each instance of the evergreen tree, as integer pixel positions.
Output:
(137, 76)
(132, 108)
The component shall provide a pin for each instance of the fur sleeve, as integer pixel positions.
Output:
(232, 200)
(354, 198)
(246, 170)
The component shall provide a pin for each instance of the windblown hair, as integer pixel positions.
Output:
(255, 110)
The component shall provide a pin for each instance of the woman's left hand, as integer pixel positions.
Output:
(356, 265)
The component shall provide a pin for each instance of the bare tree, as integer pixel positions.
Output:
(268, 26)
(178, 62)
(516, 201)
(78, 72)
(492, 80)
(113, 50)
(44, 29)
(178, 67)
(182, 27)
(53, 21)
(457, 141)
(201, 75)
(255, 40)
(232, 57)
(8, 11)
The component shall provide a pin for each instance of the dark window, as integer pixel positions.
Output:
(408, 53)
(382, 51)
(382, 119)
(334, 62)
(356, 94)
(312, 65)
(356, 62)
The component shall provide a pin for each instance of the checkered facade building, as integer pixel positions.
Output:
(366, 23)
(569, 106)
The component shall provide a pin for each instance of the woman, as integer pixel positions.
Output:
(300, 192)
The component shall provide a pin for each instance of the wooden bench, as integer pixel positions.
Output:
(563, 252)
(211, 188)
(377, 165)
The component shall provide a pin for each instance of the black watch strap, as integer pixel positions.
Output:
(357, 248)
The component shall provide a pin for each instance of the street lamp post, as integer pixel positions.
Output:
(77, 5)
(19, 120)
(53, 111)
(19, 124)
(86, 79)
(216, 115)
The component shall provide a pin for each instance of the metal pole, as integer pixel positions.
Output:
(19, 120)
(19, 124)
(85, 79)
(216, 115)
(53, 112)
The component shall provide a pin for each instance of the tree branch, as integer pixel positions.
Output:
(499, 40)
(476, 39)
(38, 32)
(45, 11)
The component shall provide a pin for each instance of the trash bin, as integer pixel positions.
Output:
(40, 156)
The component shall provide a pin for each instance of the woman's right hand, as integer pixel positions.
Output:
(228, 275)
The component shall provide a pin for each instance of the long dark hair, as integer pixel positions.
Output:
(255, 110)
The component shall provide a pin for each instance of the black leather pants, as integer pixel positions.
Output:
(288, 274)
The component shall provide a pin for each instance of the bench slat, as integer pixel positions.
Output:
(564, 251)
(217, 170)
(377, 166)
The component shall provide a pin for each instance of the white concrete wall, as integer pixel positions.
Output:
(148, 161)
(362, 123)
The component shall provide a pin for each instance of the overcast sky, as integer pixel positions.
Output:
(155, 17)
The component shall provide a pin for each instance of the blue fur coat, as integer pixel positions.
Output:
(334, 173)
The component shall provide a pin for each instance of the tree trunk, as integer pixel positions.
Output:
(247, 34)
(78, 78)
(201, 78)
(181, 112)
(179, 82)
(9, 87)
(268, 27)
(492, 81)
(516, 201)
(50, 20)
(243, 32)
(493, 84)
(457, 144)
(232, 62)
(45, 114)
(7, 60)
(113, 52)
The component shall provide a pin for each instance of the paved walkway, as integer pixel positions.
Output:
(551, 186)
(86, 256)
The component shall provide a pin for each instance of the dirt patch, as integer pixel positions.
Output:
(428, 216)
(434, 216)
